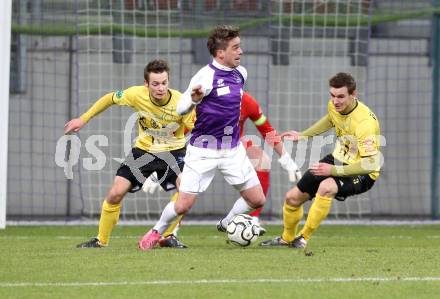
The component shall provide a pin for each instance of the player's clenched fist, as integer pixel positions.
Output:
(197, 93)
(73, 125)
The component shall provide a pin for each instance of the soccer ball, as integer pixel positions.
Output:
(243, 230)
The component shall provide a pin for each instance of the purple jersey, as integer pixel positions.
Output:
(218, 114)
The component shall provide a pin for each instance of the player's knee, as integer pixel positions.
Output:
(254, 197)
(115, 196)
(258, 202)
(184, 203)
(293, 201)
(293, 198)
(178, 180)
(328, 188)
(181, 208)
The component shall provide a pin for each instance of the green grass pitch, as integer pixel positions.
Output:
(347, 262)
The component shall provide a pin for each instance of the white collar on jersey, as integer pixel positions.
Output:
(221, 66)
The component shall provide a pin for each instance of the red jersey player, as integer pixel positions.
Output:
(250, 109)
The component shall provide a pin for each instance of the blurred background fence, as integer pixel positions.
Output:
(66, 54)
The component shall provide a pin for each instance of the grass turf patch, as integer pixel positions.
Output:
(347, 262)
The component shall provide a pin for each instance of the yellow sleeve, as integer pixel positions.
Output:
(367, 141)
(125, 97)
(99, 106)
(189, 120)
(321, 126)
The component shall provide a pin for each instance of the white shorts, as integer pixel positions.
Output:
(202, 163)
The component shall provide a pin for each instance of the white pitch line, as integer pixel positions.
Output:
(278, 221)
(217, 281)
(344, 237)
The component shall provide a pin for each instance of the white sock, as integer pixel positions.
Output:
(167, 217)
(240, 207)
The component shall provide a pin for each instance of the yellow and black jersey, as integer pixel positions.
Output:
(358, 134)
(160, 127)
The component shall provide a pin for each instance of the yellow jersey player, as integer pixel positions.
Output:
(351, 169)
(159, 148)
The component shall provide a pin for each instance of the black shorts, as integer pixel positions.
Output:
(347, 186)
(138, 166)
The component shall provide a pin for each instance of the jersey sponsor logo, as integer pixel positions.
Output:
(369, 144)
(222, 91)
(167, 116)
(119, 94)
(154, 124)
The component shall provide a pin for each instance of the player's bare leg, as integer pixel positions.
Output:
(261, 162)
(171, 211)
(318, 211)
(169, 237)
(251, 199)
(292, 215)
(111, 208)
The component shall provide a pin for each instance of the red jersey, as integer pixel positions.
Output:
(251, 109)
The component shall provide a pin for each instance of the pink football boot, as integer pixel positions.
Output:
(149, 240)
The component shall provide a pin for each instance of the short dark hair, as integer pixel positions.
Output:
(156, 66)
(220, 36)
(343, 79)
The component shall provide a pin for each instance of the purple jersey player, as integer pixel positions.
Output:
(219, 113)
(215, 92)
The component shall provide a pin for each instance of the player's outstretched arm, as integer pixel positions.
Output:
(73, 125)
(251, 108)
(291, 135)
(321, 126)
(102, 104)
(285, 159)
